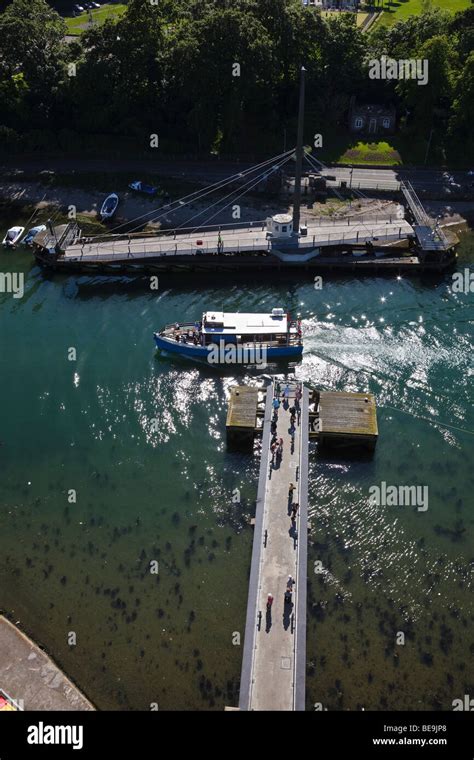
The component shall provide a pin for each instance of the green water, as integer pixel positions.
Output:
(165, 494)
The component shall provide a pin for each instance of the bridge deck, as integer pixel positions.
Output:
(274, 660)
(245, 239)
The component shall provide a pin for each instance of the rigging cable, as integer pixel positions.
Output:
(244, 189)
(196, 194)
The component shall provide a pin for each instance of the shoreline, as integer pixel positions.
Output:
(31, 677)
(37, 196)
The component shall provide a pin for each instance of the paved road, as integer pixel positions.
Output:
(389, 179)
(212, 171)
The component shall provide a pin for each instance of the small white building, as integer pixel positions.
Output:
(280, 226)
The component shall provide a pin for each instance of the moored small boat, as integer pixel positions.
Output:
(234, 338)
(30, 236)
(13, 236)
(109, 206)
(142, 187)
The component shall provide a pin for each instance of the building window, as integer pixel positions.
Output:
(358, 123)
(386, 123)
(283, 229)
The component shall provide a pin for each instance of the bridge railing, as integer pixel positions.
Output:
(126, 249)
(391, 185)
(325, 221)
(151, 249)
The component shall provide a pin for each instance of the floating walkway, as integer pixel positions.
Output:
(244, 415)
(343, 419)
(274, 657)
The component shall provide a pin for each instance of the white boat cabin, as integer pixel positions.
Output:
(269, 327)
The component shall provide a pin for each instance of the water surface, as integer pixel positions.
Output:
(141, 439)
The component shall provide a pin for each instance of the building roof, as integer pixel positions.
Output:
(373, 109)
(283, 218)
(244, 324)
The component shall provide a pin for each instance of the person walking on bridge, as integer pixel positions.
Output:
(279, 451)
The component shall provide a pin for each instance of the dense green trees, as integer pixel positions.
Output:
(428, 102)
(119, 80)
(31, 42)
(219, 75)
(462, 119)
(446, 42)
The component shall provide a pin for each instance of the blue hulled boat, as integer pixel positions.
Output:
(234, 338)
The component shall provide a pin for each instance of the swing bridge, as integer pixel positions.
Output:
(405, 239)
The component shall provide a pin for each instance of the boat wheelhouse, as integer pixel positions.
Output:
(235, 338)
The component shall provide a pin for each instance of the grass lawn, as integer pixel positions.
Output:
(79, 24)
(371, 153)
(399, 10)
(398, 149)
(360, 16)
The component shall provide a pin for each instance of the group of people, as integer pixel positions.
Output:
(189, 336)
(285, 395)
(295, 412)
(288, 593)
(294, 505)
(276, 447)
(276, 444)
(289, 589)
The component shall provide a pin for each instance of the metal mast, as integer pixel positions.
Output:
(299, 156)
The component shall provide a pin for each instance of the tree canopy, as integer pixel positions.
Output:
(218, 75)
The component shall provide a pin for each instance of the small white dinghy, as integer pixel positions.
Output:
(13, 236)
(109, 206)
